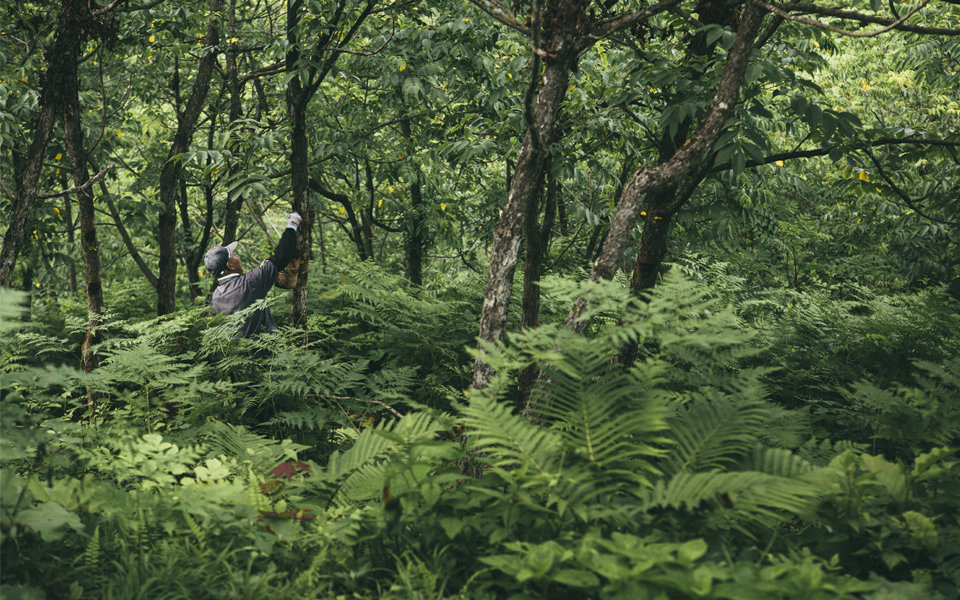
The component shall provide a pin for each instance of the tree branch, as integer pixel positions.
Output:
(850, 15)
(498, 11)
(81, 187)
(604, 28)
(903, 195)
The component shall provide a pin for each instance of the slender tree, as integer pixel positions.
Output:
(173, 165)
(61, 60)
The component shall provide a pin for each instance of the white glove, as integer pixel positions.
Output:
(293, 220)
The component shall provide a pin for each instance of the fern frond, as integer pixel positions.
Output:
(714, 432)
(750, 495)
(509, 440)
(358, 473)
(608, 417)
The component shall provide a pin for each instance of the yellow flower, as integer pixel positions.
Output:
(35, 236)
(390, 188)
(342, 210)
(864, 176)
(380, 203)
(56, 210)
(443, 206)
(465, 20)
(58, 156)
(233, 40)
(643, 213)
(779, 163)
(151, 39)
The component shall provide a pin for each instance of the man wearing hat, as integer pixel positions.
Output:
(236, 289)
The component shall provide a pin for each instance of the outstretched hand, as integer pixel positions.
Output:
(293, 220)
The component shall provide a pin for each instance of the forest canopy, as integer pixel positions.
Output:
(591, 299)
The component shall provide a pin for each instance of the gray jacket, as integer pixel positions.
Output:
(238, 291)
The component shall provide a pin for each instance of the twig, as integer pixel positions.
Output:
(392, 410)
(7, 191)
(79, 188)
(903, 195)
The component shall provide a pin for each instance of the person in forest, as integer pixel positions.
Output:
(237, 290)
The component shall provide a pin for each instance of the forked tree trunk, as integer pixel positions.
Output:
(684, 169)
(524, 183)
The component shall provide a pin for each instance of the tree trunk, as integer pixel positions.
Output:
(524, 183)
(170, 174)
(68, 225)
(73, 140)
(686, 168)
(416, 225)
(297, 98)
(60, 56)
(231, 217)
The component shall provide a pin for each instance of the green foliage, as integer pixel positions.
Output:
(677, 477)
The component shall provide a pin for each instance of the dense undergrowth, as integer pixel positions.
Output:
(765, 445)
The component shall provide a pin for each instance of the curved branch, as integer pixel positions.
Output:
(498, 11)
(850, 15)
(604, 28)
(793, 154)
(903, 195)
(81, 187)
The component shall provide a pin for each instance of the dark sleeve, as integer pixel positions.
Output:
(286, 249)
(258, 282)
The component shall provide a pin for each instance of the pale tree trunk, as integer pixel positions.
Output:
(170, 173)
(685, 168)
(68, 222)
(528, 174)
(60, 56)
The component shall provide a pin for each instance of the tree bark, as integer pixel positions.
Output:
(562, 22)
(73, 140)
(297, 97)
(60, 56)
(416, 222)
(683, 168)
(231, 217)
(172, 167)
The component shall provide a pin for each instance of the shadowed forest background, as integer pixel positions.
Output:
(594, 299)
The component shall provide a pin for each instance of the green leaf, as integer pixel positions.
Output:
(576, 578)
(49, 519)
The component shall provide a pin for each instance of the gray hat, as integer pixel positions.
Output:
(216, 259)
